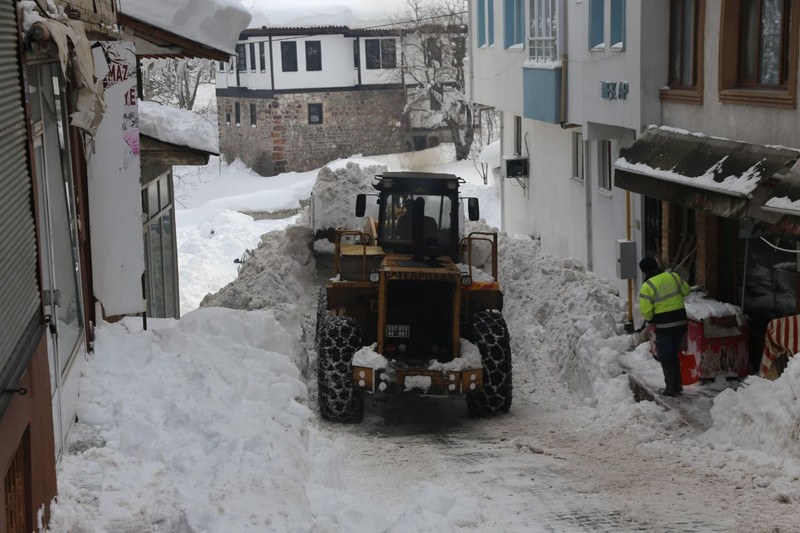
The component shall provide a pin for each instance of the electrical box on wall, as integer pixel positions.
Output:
(626, 259)
(516, 166)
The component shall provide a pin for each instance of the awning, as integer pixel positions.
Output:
(709, 174)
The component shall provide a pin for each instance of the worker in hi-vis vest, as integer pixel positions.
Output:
(661, 304)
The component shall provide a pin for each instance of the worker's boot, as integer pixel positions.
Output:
(678, 377)
(672, 385)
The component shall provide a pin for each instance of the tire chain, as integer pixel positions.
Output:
(490, 335)
(338, 338)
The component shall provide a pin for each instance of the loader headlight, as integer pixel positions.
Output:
(466, 280)
(374, 276)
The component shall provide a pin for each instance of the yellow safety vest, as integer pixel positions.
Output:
(661, 296)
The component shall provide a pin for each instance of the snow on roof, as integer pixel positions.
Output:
(784, 204)
(177, 126)
(215, 23)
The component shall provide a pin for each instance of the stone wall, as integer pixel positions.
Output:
(369, 122)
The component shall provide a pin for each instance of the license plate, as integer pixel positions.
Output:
(396, 330)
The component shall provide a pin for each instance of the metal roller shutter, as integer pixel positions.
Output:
(19, 304)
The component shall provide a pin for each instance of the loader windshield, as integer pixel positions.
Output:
(397, 218)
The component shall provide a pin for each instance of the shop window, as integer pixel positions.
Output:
(381, 53)
(241, 57)
(685, 74)
(652, 227)
(160, 249)
(758, 52)
(253, 57)
(356, 54)
(289, 56)
(313, 55)
(315, 113)
(577, 156)
(513, 23)
(597, 38)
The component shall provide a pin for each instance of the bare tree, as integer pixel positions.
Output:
(434, 40)
(176, 82)
(487, 132)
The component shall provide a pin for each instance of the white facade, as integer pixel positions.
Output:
(264, 68)
(581, 217)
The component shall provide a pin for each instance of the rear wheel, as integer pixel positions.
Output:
(490, 334)
(338, 338)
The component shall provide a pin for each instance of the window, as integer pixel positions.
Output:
(544, 30)
(683, 40)
(437, 96)
(262, 57)
(433, 52)
(222, 66)
(485, 22)
(253, 115)
(597, 38)
(253, 57)
(518, 135)
(617, 24)
(356, 54)
(757, 45)
(381, 53)
(604, 159)
(313, 55)
(238, 112)
(289, 56)
(228, 118)
(577, 156)
(514, 22)
(315, 113)
(481, 23)
(241, 57)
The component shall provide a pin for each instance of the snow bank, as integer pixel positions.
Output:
(334, 196)
(157, 462)
(762, 416)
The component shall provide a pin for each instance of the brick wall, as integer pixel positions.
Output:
(367, 122)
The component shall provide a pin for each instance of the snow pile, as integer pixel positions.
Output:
(334, 196)
(278, 275)
(557, 314)
(761, 416)
(699, 307)
(213, 23)
(158, 462)
(178, 126)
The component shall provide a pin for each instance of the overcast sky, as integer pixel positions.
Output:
(355, 13)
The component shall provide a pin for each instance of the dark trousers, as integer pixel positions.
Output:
(668, 345)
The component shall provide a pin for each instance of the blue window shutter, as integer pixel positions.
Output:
(597, 11)
(618, 23)
(481, 22)
(491, 22)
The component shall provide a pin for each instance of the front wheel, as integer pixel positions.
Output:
(338, 338)
(490, 334)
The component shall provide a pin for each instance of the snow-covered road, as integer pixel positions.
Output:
(209, 423)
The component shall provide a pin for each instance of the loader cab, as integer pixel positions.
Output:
(420, 211)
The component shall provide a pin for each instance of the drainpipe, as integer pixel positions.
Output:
(271, 65)
(469, 52)
(588, 195)
(629, 235)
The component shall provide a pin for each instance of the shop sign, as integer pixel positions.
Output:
(614, 90)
